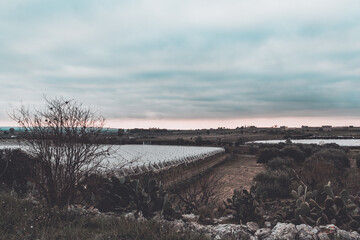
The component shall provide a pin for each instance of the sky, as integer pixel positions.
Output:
(185, 64)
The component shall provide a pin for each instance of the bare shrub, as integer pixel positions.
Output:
(316, 174)
(203, 192)
(358, 161)
(280, 163)
(352, 181)
(62, 138)
(267, 154)
(335, 156)
(293, 152)
(206, 215)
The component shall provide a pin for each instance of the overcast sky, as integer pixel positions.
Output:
(186, 63)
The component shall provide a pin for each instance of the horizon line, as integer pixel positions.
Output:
(228, 123)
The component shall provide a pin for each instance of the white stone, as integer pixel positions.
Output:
(190, 217)
(323, 236)
(252, 226)
(344, 235)
(267, 224)
(284, 231)
(305, 232)
(224, 219)
(262, 232)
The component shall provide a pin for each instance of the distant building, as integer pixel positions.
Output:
(283, 128)
(326, 128)
(304, 128)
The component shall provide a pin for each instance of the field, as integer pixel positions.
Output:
(143, 158)
(153, 157)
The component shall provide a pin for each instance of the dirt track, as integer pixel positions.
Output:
(237, 173)
(231, 172)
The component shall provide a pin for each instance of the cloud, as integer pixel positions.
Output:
(184, 59)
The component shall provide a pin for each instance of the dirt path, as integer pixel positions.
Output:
(236, 173)
(230, 172)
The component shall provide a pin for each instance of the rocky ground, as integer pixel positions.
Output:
(280, 231)
(252, 231)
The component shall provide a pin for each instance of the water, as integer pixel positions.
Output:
(340, 142)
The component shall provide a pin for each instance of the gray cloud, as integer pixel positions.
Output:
(184, 60)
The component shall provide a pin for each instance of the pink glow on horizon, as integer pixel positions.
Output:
(232, 123)
(228, 123)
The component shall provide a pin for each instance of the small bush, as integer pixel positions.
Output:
(358, 161)
(316, 174)
(352, 181)
(332, 145)
(253, 150)
(308, 149)
(268, 154)
(199, 141)
(16, 169)
(335, 156)
(280, 163)
(206, 215)
(273, 184)
(293, 152)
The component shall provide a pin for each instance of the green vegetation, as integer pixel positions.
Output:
(23, 219)
(267, 154)
(245, 205)
(280, 163)
(336, 157)
(315, 202)
(294, 152)
(358, 161)
(314, 165)
(286, 167)
(16, 170)
(314, 209)
(273, 184)
(124, 195)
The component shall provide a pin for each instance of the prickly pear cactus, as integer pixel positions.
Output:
(339, 210)
(244, 205)
(124, 194)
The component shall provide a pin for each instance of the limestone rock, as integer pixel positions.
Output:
(262, 233)
(267, 224)
(306, 232)
(190, 217)
(283, 231)
(252, 226)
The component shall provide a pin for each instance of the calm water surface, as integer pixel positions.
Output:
(340, 142)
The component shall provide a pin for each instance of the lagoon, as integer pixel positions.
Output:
(340, 142)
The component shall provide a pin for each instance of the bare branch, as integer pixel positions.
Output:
(63, 137)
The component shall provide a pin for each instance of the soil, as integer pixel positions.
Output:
(229, 171)
(235, 173)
